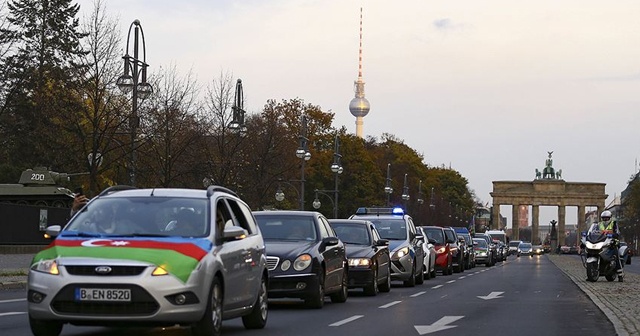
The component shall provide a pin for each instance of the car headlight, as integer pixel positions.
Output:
(46, 266)
(303, 261)
(359, 262)
(402, 252)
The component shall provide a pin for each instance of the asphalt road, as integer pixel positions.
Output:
(522, 296)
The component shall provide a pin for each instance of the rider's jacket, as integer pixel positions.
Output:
(610, 226)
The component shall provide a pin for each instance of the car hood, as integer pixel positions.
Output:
(288, 249)
(359, 251)
(178, 256)
(396, 244)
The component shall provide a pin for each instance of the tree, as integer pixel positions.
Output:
(38, 74)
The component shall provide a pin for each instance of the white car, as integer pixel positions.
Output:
(157, 257)
(429, 270)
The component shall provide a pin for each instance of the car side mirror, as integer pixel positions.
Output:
(329, 241)
(52, 231)
(233, 233)
(381, 242)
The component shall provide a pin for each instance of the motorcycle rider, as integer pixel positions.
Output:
(609, 225)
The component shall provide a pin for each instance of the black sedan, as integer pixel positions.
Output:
(368, 255)
(306, 260)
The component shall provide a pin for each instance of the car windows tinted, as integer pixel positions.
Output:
(392, 229)
(287, 227)
(352, 234)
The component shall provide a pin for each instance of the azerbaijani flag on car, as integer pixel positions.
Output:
(178, 256)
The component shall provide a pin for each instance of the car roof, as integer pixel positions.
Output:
(285, 212)
(350, 221)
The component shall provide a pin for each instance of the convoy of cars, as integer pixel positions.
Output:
(144, 256)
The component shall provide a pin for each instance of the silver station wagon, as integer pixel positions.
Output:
(152, 257)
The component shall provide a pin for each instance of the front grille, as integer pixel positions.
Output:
(398, 265)
(272, 263)
(115, 270)
(142, 303)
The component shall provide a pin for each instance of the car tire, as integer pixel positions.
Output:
(372, 289)
(257, 319)
(316, 299)
(45, 328)
(411, 281)
(426, 275)
(385, 287)
(343, 293)
(420, 274)
(211, 321)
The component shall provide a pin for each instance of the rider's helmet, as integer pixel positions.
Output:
(605, 215)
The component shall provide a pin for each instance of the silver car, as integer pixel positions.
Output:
(152, 257)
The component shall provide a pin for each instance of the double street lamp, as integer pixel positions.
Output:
(303, 153)
(405, 192)
(337, 169)
(134, 79)
(237, 124)
(388, 189)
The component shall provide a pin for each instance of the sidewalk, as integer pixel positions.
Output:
(618, 300)
(13, 270)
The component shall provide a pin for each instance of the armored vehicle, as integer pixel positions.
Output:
(38, 186)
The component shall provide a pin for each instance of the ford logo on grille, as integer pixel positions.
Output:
(103, 269)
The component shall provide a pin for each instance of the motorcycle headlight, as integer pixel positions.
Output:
(594, 246)
(359, 262)
(303, 261)
(402, 252)
(46, 266)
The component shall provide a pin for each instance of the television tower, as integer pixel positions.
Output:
(359, 106)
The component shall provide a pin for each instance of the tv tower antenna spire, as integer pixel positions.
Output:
(359, 106)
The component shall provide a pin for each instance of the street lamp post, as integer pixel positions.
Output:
(303, 153)
(280, 194)
(337, 169)
(405, 192)
(237, 124)
(134, 81)
(388, 189)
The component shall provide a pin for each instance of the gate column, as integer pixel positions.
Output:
(495, 222)
(582, 225)
(515, 221)
(535, 223)
(561, 225)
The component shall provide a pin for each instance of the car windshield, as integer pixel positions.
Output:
(142, 216)
(525, 245)
(514, 243)
(391, 228)
(287, 227)
(352, 234)
(481, 242)
(436, 234)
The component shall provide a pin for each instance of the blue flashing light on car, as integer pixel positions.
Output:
(380, 211)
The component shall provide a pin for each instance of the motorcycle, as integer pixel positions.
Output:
(599, 257)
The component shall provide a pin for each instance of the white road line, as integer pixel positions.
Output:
(436, 287)
(12, 313)
(12, 300)
(451, 281)
(390, 304)
(345, 321)
(417, 294)
(462, 277)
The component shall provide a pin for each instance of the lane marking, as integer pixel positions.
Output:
(462, 277)
(390, 304)
(12, 313)
(345, 321)
(451, 281)
(417, 294)
(436, 287)
(12, 300)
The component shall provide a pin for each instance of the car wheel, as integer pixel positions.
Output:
(386, 286)
(211, 322)
(411, 281)
(341, 295)
(257, 319)
(372, 289)
(426, 272)
(45, 328)
(316, 299)
(420, 274)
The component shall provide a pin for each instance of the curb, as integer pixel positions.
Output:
(13, 285)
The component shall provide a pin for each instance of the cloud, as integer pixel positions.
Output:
(446, 24)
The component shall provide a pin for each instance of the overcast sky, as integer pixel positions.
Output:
(486, 87)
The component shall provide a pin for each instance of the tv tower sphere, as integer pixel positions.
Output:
(359, 106)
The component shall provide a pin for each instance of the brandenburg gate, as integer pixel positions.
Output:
(547, 189)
